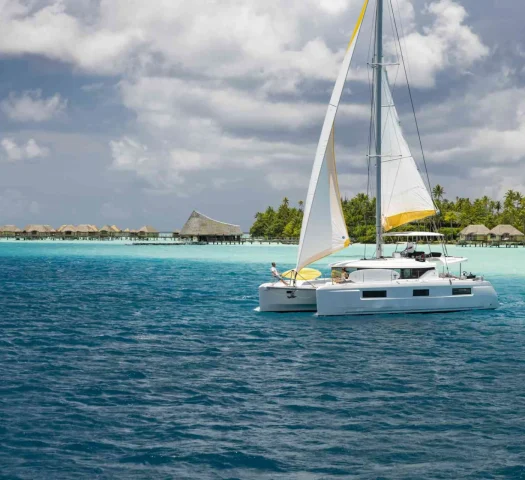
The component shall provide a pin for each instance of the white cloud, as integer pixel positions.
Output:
(446, 43)
(31, 107)
(231, 87)
(12, 152)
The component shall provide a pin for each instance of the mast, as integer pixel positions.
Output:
(378, 78)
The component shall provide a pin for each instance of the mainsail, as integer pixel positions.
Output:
(405, 197)
(324, 230)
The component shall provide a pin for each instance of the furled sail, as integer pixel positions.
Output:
(404, 195)
(324, 230)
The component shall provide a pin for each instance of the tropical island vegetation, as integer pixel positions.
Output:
(359, 213)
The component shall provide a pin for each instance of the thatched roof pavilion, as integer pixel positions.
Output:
(505, 231)
(115, 229)
(10, 229)
(206, 229)
(35, 229)
(86, 230)
(67, 229)
(148, 231)
(475, 232)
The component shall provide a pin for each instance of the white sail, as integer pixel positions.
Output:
(404, 196)
(324, 230)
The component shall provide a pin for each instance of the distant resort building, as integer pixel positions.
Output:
(148, 231)
(505, 233)
(109, 231)
(200, 228)
(86, 230)
(67, 230)
(10, 231)
(38, 230)
(474, 233)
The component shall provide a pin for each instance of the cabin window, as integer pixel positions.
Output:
(421, 292)
(461, 291)
(413, 273)
(374, 294)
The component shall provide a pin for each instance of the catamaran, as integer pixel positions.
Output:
(409, 281)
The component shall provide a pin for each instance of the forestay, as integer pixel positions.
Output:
(405, 197)
(323, 229)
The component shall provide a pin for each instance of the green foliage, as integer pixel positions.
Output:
(283, 223)
(359, 213)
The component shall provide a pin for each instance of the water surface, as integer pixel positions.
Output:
(150, 362)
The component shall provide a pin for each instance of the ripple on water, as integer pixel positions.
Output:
(126, 365)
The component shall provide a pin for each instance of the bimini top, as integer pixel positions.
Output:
(413, 234)
(387, 262)
(399, 262)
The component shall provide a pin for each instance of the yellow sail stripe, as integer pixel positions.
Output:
(358, 24)
(405, 217)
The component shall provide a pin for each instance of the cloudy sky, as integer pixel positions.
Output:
(135, 111)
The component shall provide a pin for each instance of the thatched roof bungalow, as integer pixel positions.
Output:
(115, 229)
(148, 231)
(39, 230)
(201, 228)
(175, 233)
(67, 230)
(506, 232)
(86, 230)
(9, 230)
(474, 232)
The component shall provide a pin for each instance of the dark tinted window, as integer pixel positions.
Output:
(412, 273)
(461, 291)
(374, 294)
(423, 292)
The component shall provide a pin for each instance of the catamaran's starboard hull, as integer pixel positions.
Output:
(281, 298)
(349, 299)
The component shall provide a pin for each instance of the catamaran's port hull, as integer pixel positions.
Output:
(349, 299)
(281, 298)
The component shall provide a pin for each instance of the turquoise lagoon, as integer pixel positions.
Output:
(122, 361)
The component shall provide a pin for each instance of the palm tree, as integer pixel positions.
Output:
(438, 191)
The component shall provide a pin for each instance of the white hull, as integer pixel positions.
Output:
(276, 297)
(348, 298)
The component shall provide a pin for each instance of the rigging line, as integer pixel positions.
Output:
(396, 48)
(403, 35)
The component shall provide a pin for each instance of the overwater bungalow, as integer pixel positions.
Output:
(175, 233)
(33, 230)
(147, 231)
(506, 233)
(130, 233)
(105, 231)
(10, 231)
(474, 233)
(86, 230)
(67, 231)
(200, 228)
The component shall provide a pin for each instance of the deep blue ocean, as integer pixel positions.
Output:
(150, 362)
